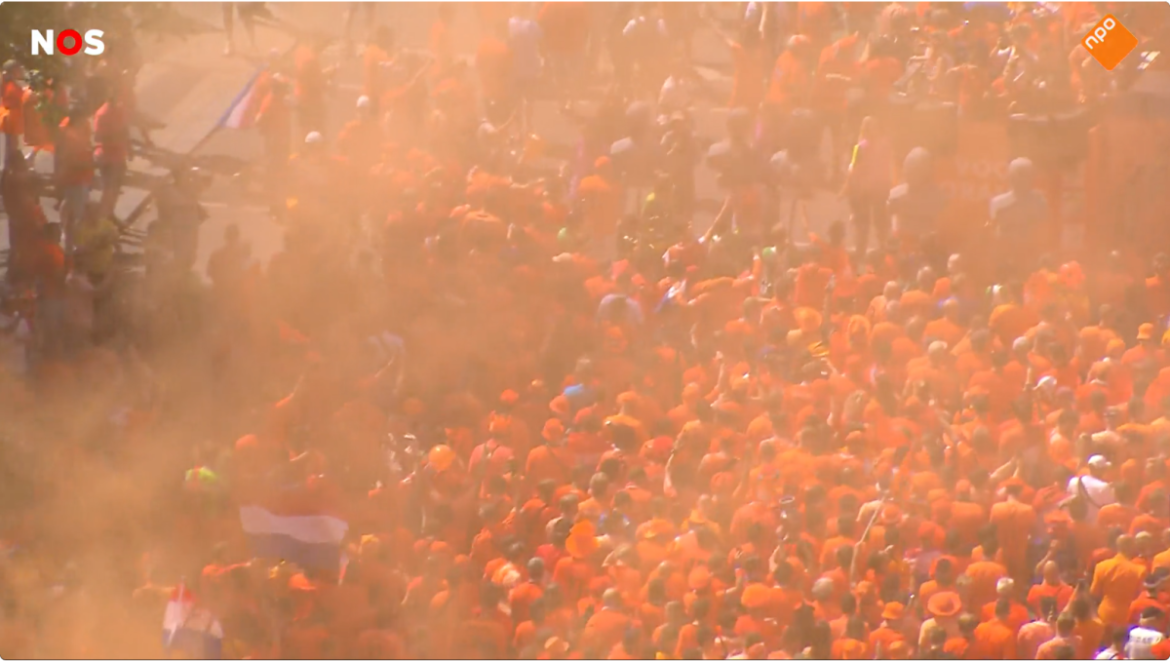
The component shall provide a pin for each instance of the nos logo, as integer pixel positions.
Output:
(68, 42)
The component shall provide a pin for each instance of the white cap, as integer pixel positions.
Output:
(823, 588)
(1004, 584)
(1097, 461)
(314, 138)
(1047, 383)
(363, 102)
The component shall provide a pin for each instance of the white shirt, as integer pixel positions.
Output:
(1100, 493)
(1141, 640)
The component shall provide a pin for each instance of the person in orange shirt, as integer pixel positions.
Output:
(551, 461)
(1152, 598)
(1088, 629)
(756, 601)
(1117, 582)
(1005, 590)
(1014, 523)
(1034, 634)
(631, 647)
(967, 518)
(853, 645)
(946, 328)
(995, 639)
(12, 103)
(1065, 637)
(524, 594)
(985, 575)
(1010, 320)
(790, 82)
(1050, 586)
(601, 198)
(607, 626)
(890, 630)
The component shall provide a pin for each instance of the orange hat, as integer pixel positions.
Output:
(808, 319)
(581, 546)
(601, 162)
(699, 578)
(755, 596)
(1145, 332)
(944, 604)
(553, 429)
(760, 428)
(440, 600)
(509, 397)
(893, 611)
(582, 541)
(441, 457)
(891, 514)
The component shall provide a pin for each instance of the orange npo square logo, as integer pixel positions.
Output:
(1109, 42)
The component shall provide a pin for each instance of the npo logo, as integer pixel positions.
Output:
(67, 42)
(1109, 42)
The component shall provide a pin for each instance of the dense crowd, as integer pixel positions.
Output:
(558, 416)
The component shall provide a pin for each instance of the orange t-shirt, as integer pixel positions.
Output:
(984, 575)
(993, 640)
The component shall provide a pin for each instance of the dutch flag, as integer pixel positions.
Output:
(242, 113)
(291, 529)
(189, 630)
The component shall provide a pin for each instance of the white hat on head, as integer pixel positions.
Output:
(314, 138)
(363, 102)
(1098, 461)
